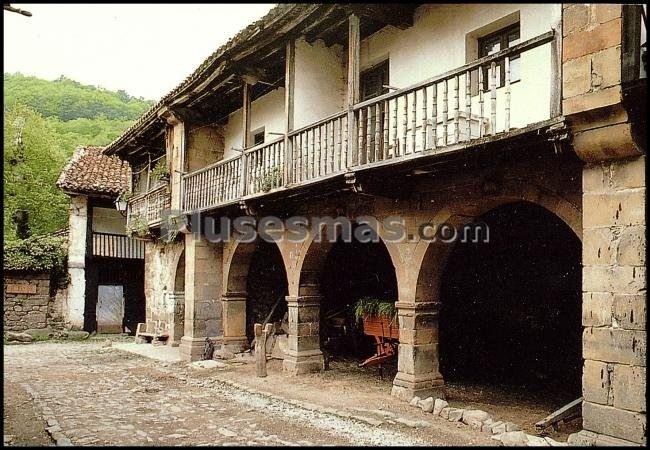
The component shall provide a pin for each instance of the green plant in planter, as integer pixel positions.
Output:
(125, 196)
(137, 227)
(160, 172)
(369, 306)
(272, 178)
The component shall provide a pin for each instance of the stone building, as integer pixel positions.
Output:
(105, 266)
(527, 118)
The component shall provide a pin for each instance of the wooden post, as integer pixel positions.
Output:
(246, 128)
(289, 88)
(261, 336)
(354, 42)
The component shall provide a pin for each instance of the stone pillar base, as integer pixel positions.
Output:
(235, 344)
(304, 362)
(405, 388)
(192, 348)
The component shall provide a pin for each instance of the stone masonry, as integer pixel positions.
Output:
(614, 243)
(26, 300)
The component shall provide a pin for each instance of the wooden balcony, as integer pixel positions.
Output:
(147, 208)
(117, 246)
(469, 106)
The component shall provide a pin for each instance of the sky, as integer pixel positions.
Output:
(146, 50)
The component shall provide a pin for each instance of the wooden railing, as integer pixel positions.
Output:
(217, 184)
(476, 101)
(319, 149)
(148, 207)
(458, 106)
(264, 167)
(117, 246)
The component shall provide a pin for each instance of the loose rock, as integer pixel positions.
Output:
(514, 439)
(536, 441)
(445, 412)
(455, 414)
(19, 337)
(414, 401)
(426, 405)
(438, 406)
(475, 417)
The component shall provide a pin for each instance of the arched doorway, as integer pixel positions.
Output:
(266, 286)
(255, 291)
(177, 299)
(333, 277)
(353, 271)
(510, 311)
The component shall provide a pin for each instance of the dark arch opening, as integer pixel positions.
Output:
(511, 308)
(266, 285)
(352, 270)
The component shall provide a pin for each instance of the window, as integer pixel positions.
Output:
(373, 81)
(495, 42)
(257, 136)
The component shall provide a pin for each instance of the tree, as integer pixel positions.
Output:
(33, 161)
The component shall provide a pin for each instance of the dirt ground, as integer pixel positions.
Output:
(22, 422)
(353, 387)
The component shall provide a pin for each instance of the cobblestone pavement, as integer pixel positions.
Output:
(94, 395)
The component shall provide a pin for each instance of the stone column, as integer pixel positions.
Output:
(614, 303)
(234, 321)
(303, 349)
(203, 266)
(605, 115)
(417, 363)
(76, 301)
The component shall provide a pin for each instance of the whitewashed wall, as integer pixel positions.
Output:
(266, 111)
(107, 220)
(443, 37)
(320, 82)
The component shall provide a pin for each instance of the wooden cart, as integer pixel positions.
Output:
(385, 330)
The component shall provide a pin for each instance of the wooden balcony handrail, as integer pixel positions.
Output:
(510, 51)
(319, 122)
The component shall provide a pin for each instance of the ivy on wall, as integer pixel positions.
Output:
(35, 254)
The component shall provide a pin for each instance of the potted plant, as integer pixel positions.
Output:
(160, 172)
(379, 317)
(271, 179)
(137, 227)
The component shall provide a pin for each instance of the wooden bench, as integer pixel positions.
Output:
(154, 330)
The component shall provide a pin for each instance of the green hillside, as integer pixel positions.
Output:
(44, 121)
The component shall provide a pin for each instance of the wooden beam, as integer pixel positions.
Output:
(246, 113)
(289, 89)
(397, 15)
(354, 42)
(568, 411)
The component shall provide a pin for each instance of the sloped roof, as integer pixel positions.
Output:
(244, 37)
(90, 171)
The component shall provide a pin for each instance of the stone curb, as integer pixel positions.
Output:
(53, 428)
(507, 433)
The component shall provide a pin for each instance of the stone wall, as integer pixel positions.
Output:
(614, 244)
(27, 302)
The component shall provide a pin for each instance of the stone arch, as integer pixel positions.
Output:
(178, 282)
(304, 353)
(431, 257)
(238, 256)
(419, 302)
